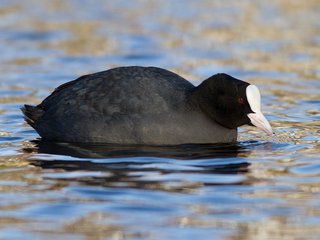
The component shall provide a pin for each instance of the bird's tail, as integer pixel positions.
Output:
(32, 114)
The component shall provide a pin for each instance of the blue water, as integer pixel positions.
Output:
(259, 188)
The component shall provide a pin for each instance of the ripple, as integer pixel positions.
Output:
(310, 169)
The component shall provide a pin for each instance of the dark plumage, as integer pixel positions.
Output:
(142, 105)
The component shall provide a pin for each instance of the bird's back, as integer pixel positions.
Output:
(122, 90)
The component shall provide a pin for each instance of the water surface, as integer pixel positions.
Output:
(259, 188)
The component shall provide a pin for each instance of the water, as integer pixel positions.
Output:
(260, 188)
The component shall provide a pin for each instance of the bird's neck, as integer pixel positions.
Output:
(202, 98)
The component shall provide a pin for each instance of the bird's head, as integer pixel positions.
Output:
(232, 102)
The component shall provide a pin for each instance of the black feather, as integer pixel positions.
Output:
(32, 114)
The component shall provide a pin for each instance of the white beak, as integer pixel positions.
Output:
(257, 118)
(260, 122)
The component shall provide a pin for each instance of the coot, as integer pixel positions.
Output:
(147, 105)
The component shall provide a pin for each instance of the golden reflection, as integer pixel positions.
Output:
(83, 39)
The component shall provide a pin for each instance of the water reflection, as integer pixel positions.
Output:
(138, 166)
(184, 151)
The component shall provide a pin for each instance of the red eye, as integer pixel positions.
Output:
(240, 100)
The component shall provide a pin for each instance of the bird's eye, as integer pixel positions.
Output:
(240, 100)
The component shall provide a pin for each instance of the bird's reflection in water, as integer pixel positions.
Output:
(184, 151)
(142, 166)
